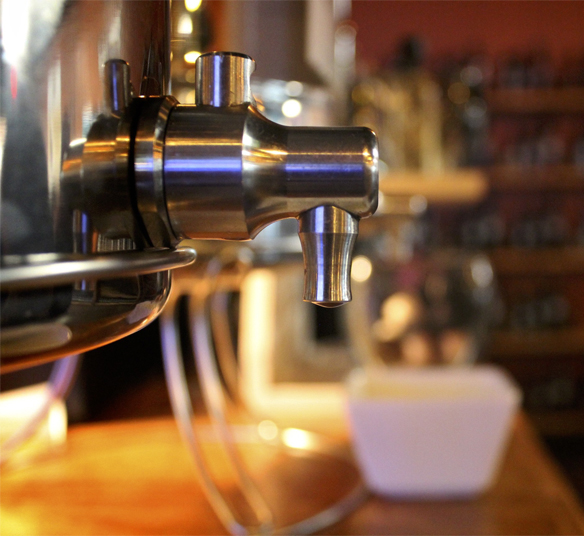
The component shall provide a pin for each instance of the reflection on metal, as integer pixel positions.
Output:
(23, 340)
(95, 314)
(51, 269)
(118, 91)
(148, 167)
(65, 144)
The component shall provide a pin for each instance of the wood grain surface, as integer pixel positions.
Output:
(136, 477)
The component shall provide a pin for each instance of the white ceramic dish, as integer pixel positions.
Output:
(430, 432)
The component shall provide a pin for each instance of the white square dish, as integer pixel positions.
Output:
(430, 432)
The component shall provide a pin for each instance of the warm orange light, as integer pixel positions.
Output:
(191, 57)
(296, 438)
(193, 5)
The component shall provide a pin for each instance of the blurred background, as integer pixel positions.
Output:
(477, 250)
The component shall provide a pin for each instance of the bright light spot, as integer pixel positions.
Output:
(15, 30)
(296, 439)
(267, 430)
(398, 313)
(193, 5)
(418, 204)
(400, 307)
(57, 421)
(294, 88)
(291, 108)
(361, 268)
(77, 142)
(482, 272)
(185, 25)
(190, 97)
(191, 57)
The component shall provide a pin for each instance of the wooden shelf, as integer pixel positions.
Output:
(568, 100)
(458, 187)
(524, 343)
(521, 179)
(560, 261)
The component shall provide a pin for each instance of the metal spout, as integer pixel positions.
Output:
(327, 235)
(226, 172)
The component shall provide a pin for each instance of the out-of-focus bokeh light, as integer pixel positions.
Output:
(185, 25)
(361, 269)
(190, 76)
(418, 204)
(268, 430)
(296, 438)
(193, 5)
(191, 56)
(294, 88)
(291, 108)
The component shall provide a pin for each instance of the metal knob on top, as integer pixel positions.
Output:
(223, 79)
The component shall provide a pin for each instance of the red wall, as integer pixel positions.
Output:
(455, 26)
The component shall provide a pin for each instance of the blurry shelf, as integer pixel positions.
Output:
(560, 261)
(516, 178)
(567, 100)
(561, 341)
(569, 422)
(464, 186)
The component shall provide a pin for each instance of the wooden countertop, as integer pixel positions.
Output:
(135, 477)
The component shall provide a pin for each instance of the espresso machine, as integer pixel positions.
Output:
(106, 180)
(105, 176)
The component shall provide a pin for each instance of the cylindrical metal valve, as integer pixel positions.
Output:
(229, 172)
(221, 170)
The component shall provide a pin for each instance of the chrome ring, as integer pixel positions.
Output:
(148, 167)
(53, 269)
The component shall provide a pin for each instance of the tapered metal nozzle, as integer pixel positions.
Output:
(327, 235)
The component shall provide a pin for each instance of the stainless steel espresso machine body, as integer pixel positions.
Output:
(104, 175)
